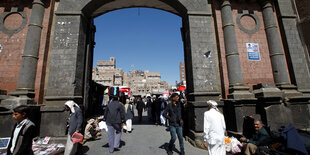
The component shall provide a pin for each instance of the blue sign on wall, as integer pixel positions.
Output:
(253, 51)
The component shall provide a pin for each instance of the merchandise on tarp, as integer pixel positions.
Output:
(46, 140)
(48, 149)
(4, 142)
(39, 147)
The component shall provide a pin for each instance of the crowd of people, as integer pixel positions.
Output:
(119, 114)
(159, 110)
(154, 107)
(118, 117)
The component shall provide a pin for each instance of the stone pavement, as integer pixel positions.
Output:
(145, 139)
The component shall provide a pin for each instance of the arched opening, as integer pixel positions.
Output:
(184, 42)
(96, 8)
(138, 41)
(74, 37)
(73, 41)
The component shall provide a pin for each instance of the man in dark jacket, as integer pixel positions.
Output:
(140, 107)
(23, 133)
(149, 108)
(157, 105)
(260, 138)
(173, 114)
(115, 119)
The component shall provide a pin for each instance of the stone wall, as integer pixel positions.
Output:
(206, 57)
(303, 7)
(12, 46)
(297, 57)
(253, 72)
(13, 43)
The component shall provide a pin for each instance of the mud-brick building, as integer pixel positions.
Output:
(249, 55)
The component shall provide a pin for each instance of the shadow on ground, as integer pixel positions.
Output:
(165, 147)
(122, 143)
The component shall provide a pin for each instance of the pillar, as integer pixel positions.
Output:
(66, 70)
(237, 90)
(202, 69)
(298, 55)
(279, 67)
(201, 58)
(67, 59)
(28, 68)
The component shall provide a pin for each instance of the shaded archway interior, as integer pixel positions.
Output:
(97, 7)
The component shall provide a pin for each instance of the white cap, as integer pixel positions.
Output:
(211, 102)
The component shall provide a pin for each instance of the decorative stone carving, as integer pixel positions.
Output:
(10, 32)
(250, 32)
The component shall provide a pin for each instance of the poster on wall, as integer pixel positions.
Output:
(253, 51)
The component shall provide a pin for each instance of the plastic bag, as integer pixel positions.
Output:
(232, 145)
(236, 146)
(228, 144)
(103, 126)
(77, 137)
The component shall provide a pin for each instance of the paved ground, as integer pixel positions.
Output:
(145, 139)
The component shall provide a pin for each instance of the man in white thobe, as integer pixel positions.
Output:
(214, 130)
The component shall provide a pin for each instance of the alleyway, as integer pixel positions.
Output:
(145, 139)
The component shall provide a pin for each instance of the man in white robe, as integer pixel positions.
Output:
(214, 130)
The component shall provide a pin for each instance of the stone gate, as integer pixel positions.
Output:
(55, 62)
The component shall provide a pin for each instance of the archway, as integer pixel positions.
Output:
(71, 53)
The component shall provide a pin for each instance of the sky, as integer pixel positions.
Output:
(141, 39)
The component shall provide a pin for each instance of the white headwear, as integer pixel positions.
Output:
(71, 104)
(213, 104)
(127, 101)
(90, 121)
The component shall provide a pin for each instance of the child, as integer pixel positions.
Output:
(23, 133)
